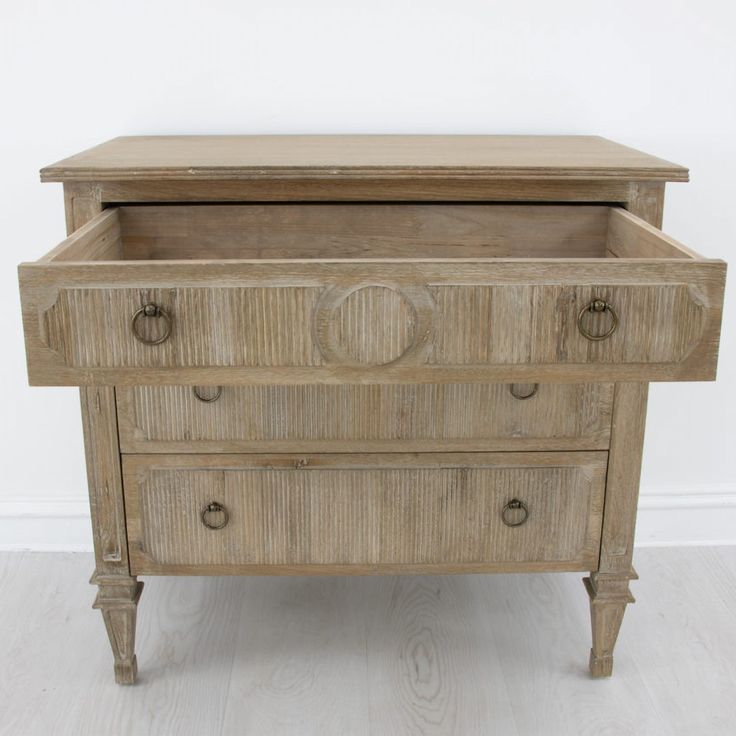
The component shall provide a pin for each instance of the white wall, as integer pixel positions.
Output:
(658, 75)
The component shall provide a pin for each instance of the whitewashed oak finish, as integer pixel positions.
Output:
(406, 417)
(413, 300)
(358, 513)
(365, 230)
(364, 157)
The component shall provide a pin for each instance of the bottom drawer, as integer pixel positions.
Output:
(325, 514)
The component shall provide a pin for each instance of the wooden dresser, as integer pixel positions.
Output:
(330, 355)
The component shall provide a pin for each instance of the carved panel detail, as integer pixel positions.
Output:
(373, 324)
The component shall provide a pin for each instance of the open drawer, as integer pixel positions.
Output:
(305, 293)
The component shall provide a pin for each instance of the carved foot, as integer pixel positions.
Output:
(126, 672)
(609, 594)
(117, 599)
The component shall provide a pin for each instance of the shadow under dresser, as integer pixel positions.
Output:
(366, 354)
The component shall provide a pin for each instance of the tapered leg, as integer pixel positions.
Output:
(117, 598)
(609, 594)
(608, 587)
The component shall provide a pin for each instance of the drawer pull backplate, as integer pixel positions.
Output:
(517, 394)
(203, 397)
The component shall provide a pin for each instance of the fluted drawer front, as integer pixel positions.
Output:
(355, 417)
(301, 333)
(363, 512)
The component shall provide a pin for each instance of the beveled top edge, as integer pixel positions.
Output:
(371, 157)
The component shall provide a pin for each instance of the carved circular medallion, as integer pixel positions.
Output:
(372, 324)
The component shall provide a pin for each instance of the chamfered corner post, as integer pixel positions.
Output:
(118, 591)
(608, 586)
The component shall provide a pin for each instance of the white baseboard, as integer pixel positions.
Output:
(667, 517)
(675, 517)
(45, 525)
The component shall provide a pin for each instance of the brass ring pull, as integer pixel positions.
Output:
(514, 505)
(206, 399)
(515, 393)
(597, 306)
(150, 310)
(214, 508)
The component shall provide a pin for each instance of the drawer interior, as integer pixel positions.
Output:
(365, 231)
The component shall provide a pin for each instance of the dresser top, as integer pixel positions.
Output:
(361, 156)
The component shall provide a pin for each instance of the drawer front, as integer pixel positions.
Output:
(370, 513)
(379, 323)
(364, 418)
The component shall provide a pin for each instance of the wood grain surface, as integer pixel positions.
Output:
(375, 189)
(364, 230)
(104, 480)
(383, 417)
(361, 156)
(361, 512)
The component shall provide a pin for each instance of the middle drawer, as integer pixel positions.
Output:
(350, 418)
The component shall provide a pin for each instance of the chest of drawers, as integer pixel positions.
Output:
(362, 355)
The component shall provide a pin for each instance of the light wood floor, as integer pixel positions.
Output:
(382, 656)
